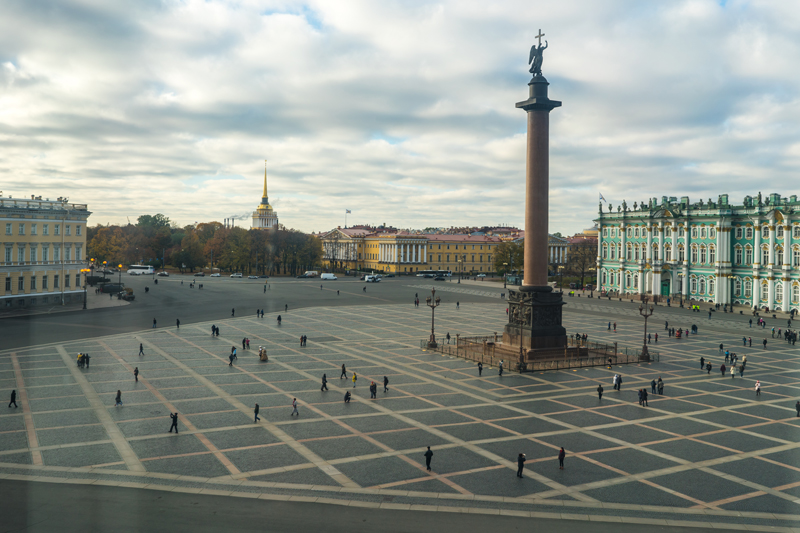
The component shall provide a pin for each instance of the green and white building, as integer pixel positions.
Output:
(746, 254)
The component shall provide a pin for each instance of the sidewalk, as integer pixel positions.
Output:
(93, 301)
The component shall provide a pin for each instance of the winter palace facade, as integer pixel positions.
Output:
(714, 252)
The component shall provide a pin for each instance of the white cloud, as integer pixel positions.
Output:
(402, 112)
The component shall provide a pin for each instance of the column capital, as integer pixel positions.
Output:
(538, 100)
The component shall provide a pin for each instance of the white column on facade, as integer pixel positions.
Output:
(641, 281)
(425, 253)
(787, 295)
(771, 293)
(787, 246)
(757, 246)
(649, 243)
(771, 246)
(756, 291)
(661, 243)
(599, 243)
(685, 282)
(622, 243)
(675, 243)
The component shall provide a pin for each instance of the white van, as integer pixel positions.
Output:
(328, 276)
(372, 279)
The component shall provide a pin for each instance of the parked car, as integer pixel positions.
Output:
(389, 275)
(328, 276)
(302, 276)
(163, 274)
(372, 279)
(215, 275)
(438, 278)
(481, 275)
(252, 277)
(200, 274)
(236, 275)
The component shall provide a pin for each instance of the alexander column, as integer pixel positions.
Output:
(534, 318)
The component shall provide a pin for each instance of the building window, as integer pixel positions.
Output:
(764, 256)
(667, 253)
(21, 284)
(68, 230)
(21, 254)
(21, 228)
(78, 230)
(748, 255)
(681, 231)
(668, 231)
(33, 254)
(779, 232)
(796, 232)
(694, 254)
(58, 229)
(629, 253)
(8, 285)
(748, 289)
(711, 286)
(737, 287)
(33, 229)
(66, 280)
(655, 253)
(8, 228)
(795, 293)
(605, 232)
(33, 283)
(738, 233)
(778, 256)
(636, 253)
(765, 232)
(629, 232)
(77, 280)
(702, 285)
(702, 255)
(77, 253)
(613, 252)
(66, 253)
(636, 231)
(681, 254)
(8, 254)
(703, 233)
(55, 281)
(693, 285)
(712, 255)
(712, 233)
(605, 251)
(694, 232)
(748, 233)
(44, 281)
(45, 254)
(602, 278)
(796, 257)
(45, 229)
(779, 292)
(738, 256)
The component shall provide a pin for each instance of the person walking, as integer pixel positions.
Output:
(619, 382)
(244, 342)
(614, 381)
(500, 368)
(722, 369)
(385, 384)
(609, 326)
(154, 323)
(141, 349)
(355, 378)
(136, 374)
(708, 368)
(720, 347)
(480, 369)
(118, 399)
(324, 382)
(750, 342)
(255, 414)
(615, 327)
(86, 359)
(660, 386)
(765, 343)
(373, 390)
(448, 337)
(344, 372)
(233, 311)
(639, 392)
(733, 372)
(520, 464)
(178, 323)
(702, 363)
(230, 358)
(653, 386)
(174, 425)
(561, 456)
(428, 456)
(758, 388)
(599, 392)
(14, 399)
(347, 396)
(744, 341)
(644, 397)
(294, 408)
(286, 308)
(796, 408)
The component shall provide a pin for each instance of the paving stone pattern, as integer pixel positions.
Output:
(709, 447)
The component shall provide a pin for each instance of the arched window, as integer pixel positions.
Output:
(681, 231)
(702, 285)
(748, 234)
(779, 232)
(603, 277)
(628, 280)
(796, 232)
(694, 255)
(629, 253)
(778, 255)
(764, 256)
(636, 253)
(712, 255)
(711, 286)
(693, 285)
(748, 255)
(605, 251)
(636, 231)
(703, 233)
(694, 232)
(655, 252)
(703, 255)
(779, 292)
(613, 251)
(667, 231)
(712, 233)
(738, 232)
(738, 255)
(765, 232)
(667, 253)
(737, 287)
(795, 293)
(748, 289)
(629, 232)
(796, 256)
(764, 290)
(681, 254)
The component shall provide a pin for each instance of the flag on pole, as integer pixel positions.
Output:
(346, 211)
(603, 199)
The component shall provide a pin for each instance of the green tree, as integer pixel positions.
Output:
(152, 221)
(510, 253)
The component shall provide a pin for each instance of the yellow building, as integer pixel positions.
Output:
(44, 251)
(390, 251)
(264, 217)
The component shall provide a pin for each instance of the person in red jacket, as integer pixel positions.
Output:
(561, 455)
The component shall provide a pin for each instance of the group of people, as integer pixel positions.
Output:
(303, 340)
(83, 360)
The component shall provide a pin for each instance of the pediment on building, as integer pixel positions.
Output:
(664, 212)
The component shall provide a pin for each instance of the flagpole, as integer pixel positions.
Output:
(345, 219)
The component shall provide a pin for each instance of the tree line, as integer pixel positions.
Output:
(154, 240)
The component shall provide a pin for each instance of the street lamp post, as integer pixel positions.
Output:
(561, 277)
(680, 290)
(120, 277)
(84, 271)
(433, 303)
(460, 269)
(646, 313)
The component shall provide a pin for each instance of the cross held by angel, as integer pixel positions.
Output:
(535, 57)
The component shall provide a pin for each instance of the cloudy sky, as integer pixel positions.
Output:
(401, 111)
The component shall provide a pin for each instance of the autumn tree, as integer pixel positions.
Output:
(510, 253)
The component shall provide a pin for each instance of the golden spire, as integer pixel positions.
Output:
(265, 180)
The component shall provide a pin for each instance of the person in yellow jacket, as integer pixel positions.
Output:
(355, 378)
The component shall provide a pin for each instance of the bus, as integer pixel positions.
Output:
(434, 273)
(140, 270)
